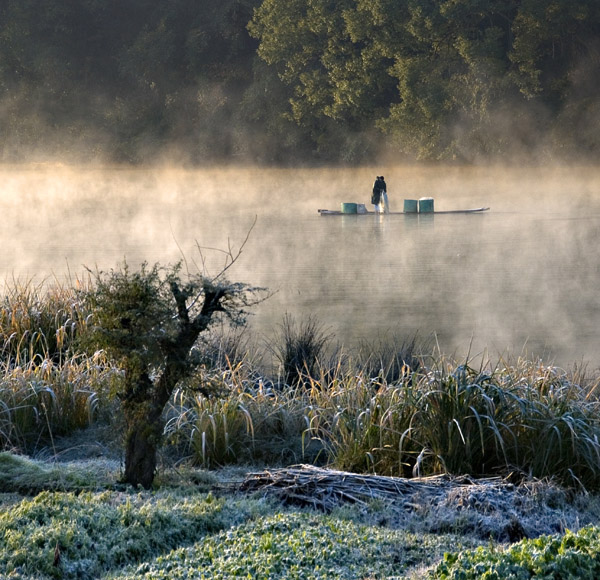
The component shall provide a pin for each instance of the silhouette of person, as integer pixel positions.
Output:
(379, 196)
(376, 195)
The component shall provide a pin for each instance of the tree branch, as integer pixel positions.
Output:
(181, 301)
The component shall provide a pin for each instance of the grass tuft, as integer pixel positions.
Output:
(299, 349)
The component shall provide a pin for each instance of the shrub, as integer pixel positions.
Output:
(148, 321)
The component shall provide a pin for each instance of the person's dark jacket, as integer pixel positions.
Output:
(378, 188)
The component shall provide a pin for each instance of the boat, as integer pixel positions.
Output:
(326, 212)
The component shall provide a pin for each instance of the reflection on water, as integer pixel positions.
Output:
(523, 275)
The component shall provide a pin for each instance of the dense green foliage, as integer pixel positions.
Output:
(123, 79)
(574, 555)
(444, 78)
(99, 532)
(292, 80)
(123, 535)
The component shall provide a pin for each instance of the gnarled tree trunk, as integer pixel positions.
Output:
(141, 447)
(145, 399)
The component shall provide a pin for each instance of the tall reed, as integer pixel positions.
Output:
(391, 410)
(459, 419)
(38, 320)
(555, 428)
(42, 400)
(47, 389)
(237, 419)
(440, 417)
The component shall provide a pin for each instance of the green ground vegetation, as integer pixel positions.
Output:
(182, 531)
(84, 528)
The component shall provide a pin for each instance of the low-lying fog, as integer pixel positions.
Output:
(523, 277)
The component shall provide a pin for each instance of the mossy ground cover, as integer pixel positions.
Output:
(90, 534)
(181, 530)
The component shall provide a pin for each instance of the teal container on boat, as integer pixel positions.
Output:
(426, 205)
(349, 208)
(411, 206)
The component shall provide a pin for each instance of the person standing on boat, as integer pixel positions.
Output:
(379, 197)
(376, 196)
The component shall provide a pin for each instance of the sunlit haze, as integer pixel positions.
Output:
(522, 277)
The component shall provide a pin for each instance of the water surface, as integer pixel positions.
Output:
(522, 277)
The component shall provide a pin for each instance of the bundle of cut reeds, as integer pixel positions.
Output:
(326, 489)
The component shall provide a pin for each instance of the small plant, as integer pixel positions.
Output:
(360, 422)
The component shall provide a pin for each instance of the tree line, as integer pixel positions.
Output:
(297, 81)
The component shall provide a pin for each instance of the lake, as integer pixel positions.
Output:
(521, 278)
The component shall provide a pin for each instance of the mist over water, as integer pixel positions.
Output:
(523, 277)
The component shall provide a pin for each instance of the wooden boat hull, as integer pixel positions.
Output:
(473, 210)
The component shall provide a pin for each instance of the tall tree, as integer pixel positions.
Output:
(552, 39)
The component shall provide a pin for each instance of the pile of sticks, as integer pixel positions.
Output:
(326, 489)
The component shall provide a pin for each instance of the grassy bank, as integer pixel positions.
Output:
(392, 409)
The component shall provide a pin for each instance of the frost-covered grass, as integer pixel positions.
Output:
(91, 534)
(22, 475)
(181, 530)
(298, 545)
(128, 535)
(441, 417)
